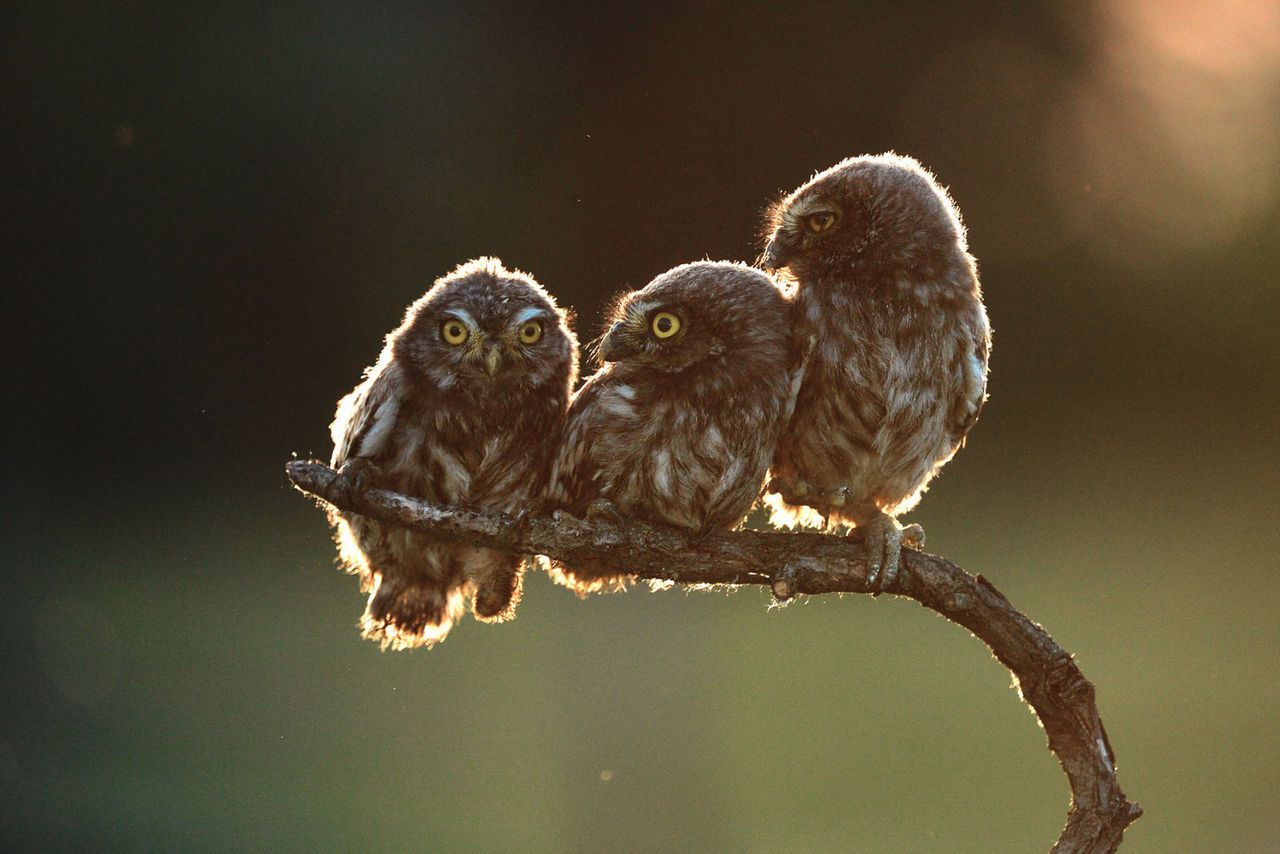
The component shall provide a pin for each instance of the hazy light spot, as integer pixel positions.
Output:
(125, 135)
(606, 775)
(1167, 145)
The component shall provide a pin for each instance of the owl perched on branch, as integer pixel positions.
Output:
(888, 306)
(463, 407)
(679, 425)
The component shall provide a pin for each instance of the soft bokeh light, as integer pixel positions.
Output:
(1167, 145)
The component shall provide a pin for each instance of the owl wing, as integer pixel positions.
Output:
(366, 417)
(973, 386)
(737, 489)
(569, 486)
(801, 349)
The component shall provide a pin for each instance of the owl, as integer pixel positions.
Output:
(463, 407)
(889, 310)
(679, 425)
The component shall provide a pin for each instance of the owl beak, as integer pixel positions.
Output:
(616, 345)
(776, 254)
(492, 360)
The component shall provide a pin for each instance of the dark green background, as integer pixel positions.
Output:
(212, 216)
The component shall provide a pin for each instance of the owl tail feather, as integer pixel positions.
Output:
(495, 598)
(404, 614)
(791, 516)
(587, 578)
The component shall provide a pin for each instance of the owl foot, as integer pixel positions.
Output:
(358, 475)
(604, 510)
(698, 536)
(883, 537)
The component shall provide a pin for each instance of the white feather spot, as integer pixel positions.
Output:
(975, 381)
(712, 441)
(383, 422)
(528, 313)
(662, 472)
(617, 404)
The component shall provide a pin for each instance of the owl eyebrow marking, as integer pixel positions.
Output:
(802, 208)
(463, 315)
(528, 313)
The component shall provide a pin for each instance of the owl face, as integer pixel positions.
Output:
(483, 327)
(884, 208)
(693, 316)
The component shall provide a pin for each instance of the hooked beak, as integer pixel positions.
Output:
(492, 360)
(617, 344)
(776, 254)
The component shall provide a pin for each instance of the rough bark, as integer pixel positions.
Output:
(805, 563)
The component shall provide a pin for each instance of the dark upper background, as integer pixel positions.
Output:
(212, 216)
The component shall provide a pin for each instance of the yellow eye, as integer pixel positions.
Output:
(820, 221)
(454, 332)
(664, 324)
(530, 332)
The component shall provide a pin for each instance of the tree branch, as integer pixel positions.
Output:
(795, 563)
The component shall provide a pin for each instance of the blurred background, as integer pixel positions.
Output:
(211, 217)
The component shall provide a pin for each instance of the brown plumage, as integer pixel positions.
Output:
(679, 425)
(890, 311)
(463, 407)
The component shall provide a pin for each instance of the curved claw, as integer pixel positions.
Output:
(604, 510)
(882, 537)
(698, 536)
(358, 475)
(873, 541)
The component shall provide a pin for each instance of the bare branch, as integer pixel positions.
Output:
(795, 563)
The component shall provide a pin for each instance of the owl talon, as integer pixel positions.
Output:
(358, 475)
(913, 536)
(604, 510)
(698, 536)
(882, 539)
(521, 516)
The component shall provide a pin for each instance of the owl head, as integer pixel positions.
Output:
(698, 316)
(882, 210)
(484, 327)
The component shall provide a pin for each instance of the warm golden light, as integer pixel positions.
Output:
(1172, 135)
